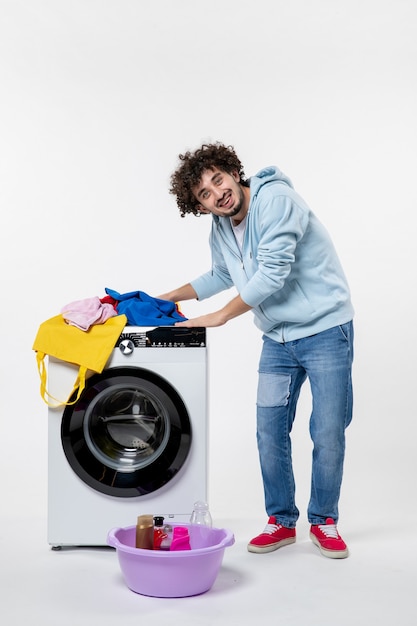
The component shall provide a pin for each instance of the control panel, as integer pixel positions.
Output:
(161, 337)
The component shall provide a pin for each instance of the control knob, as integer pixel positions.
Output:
(126, 346)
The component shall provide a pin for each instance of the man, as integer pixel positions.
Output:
(267, 243)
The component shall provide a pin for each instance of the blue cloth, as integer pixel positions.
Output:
(144, 310)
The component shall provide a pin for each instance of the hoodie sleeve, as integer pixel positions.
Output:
(280, 224)
(217, 279)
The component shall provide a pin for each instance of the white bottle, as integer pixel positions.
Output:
(201, 514)
(200, 525)
(201, 535)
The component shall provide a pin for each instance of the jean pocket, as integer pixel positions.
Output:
(345, 329)
(273, 389)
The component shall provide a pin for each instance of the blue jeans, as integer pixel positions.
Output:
(326, 360)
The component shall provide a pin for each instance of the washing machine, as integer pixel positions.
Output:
(136, 440)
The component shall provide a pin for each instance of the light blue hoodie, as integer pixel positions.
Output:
(288, 270)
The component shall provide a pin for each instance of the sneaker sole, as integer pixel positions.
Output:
(331, 554)
(271, 547)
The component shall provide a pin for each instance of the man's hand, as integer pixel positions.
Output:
(204, 321)
(234, 308)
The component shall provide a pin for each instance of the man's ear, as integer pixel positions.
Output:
(202, 209)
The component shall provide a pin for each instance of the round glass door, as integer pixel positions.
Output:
(129, 433)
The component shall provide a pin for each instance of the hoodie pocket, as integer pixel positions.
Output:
(289, 304)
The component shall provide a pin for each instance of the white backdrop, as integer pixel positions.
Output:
(97, 100)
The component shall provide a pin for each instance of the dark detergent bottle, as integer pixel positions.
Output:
(159, 534)
(162, 534)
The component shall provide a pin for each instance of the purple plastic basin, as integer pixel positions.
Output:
(165, 574)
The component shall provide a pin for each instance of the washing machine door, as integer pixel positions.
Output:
(129, 433)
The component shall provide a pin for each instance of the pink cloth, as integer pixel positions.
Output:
(85, 313)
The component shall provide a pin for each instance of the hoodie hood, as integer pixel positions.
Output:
(268, 175)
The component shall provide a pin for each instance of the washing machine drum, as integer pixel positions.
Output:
(129, 433)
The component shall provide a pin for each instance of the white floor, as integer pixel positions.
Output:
(295, 585)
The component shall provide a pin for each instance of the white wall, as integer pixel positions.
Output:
(97, 100)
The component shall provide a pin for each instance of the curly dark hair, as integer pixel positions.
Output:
(194, 164)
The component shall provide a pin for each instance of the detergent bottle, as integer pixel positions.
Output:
(162, 534)
(180, 538)
(144, 532)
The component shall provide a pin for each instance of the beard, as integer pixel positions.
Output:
(239, 204)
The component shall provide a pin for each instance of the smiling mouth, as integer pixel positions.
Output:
(226, 201)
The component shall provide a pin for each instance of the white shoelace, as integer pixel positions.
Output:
(329, 530)
(271, 528)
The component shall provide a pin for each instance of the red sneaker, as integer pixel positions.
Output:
(328, 540)
(273, 537)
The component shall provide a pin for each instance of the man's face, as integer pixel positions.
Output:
(221, 194)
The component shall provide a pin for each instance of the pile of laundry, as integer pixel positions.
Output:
(139, 308)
